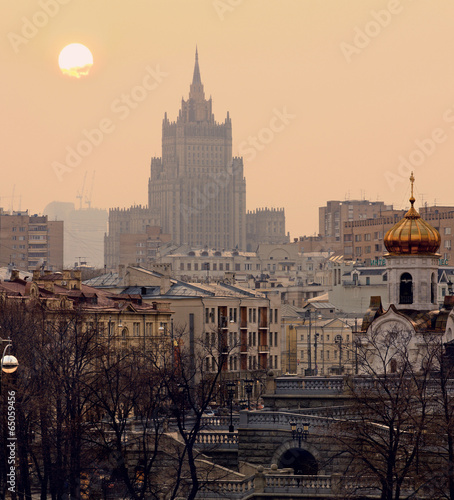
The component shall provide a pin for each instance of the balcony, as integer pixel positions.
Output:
(264, 348)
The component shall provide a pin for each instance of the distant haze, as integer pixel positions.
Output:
(328, 99)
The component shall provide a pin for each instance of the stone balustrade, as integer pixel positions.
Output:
(218, 439)
(227, 489)
(288, 483)
(220, 421)
(267, 483)
(280, 419)
(309, 385)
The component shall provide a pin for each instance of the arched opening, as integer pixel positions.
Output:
(433, 290)
(301, 461)
(406, 289)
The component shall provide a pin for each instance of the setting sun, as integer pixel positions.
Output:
(75, 60)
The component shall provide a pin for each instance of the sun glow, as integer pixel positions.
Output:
(75, 60)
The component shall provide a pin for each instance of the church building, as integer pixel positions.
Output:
(413, 321)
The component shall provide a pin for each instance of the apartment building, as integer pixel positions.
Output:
(363, 238)
(30, 241)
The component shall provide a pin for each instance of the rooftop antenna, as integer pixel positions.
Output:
(12, 199)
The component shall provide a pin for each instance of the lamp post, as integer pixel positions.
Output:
(182, 390)
(309, 355)
(231, 393)
(338, 341)
(357, 344)
(300, 433)
(315, 351)
(8, 363)
(248, 386)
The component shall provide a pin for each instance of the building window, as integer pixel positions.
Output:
(447, 230)
(136, 329)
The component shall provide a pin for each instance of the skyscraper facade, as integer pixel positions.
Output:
(197, 187)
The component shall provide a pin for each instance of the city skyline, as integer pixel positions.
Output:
(327, 101)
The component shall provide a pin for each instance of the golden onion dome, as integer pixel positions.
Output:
(412, 235)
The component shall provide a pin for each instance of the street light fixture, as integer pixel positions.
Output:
(8, 363)
(231, 393)
(248, 386)
(300, 433)
(308, 315)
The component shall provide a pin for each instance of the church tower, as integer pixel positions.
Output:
(412, 261)
(197, 186)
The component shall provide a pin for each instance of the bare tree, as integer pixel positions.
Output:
(383, 441)
(191, 384)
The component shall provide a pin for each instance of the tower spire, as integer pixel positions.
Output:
(196, 77)
(412, 181)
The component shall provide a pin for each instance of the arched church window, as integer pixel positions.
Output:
(406, 289)
(433, 289)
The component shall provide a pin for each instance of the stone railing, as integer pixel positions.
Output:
(227, 489)
(268, 483)
(309, 385)
(220, 422)
(217, 439)
(287, 483)
(274, 419)
(277, 483)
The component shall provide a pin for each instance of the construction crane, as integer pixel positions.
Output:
(80, 194)
(90, 194)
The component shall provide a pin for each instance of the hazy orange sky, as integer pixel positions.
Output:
(366, 89)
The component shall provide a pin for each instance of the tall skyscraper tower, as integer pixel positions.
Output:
(197, 186)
